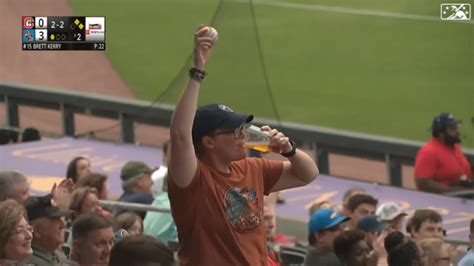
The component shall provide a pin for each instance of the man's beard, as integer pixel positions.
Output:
(451, 140)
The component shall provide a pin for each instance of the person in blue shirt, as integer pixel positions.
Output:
(136, 184)
(160, 224)
(468, 259)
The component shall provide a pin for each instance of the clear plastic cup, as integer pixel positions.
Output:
(256, 139)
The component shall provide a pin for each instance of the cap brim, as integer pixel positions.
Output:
(236, 121)
(395, 216)
(152, 170)
(59, 213)
(381, 227)
(453, 122)
(336, 221)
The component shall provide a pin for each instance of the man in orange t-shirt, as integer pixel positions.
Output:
(440, 165)
(216, 193)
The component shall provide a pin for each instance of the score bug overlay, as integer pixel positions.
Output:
(63, 33)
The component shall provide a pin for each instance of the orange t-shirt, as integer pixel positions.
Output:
(219, 215)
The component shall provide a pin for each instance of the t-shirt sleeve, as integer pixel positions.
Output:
(182, 200)
(272, 170)
(425, 164)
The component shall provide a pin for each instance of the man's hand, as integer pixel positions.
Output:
(379, 253)
(378, 243)
(202, 47)
(183, 161)
(455, 252)
(279, 143)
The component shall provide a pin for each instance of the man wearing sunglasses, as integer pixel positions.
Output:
(216, 193)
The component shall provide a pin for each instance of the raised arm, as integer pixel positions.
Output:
(428, 185)
(183, 162)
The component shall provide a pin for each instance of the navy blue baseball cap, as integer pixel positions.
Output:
(371, 223)
(40, 207)
(216, 116)
(325, 219)
(444, 119)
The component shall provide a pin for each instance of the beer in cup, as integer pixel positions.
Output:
(256, 139)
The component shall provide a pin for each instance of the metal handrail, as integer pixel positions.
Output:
(114, 205)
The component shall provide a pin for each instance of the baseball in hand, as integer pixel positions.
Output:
(212, 33)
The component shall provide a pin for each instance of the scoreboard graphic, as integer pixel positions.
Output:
(63, 33)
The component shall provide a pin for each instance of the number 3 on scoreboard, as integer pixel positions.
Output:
(41, 35)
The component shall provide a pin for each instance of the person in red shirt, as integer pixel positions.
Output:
(440, 164)
(216, 193)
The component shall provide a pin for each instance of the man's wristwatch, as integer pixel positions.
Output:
(197, 74)
(290, 153)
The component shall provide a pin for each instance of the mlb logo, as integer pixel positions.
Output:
(451, 11)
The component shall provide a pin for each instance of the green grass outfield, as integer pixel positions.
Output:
(386, 71)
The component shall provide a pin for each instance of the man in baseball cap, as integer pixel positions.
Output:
(392, 214)
(440, 165)
(212, 182)
(48, 231)
(216, 116)
(372, 226)
(324, 226)
(136, 184)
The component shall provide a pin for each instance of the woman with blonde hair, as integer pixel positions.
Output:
(85, 199)
(15, 233)
(437, 253)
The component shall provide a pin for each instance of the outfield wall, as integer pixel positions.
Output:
(322, 141)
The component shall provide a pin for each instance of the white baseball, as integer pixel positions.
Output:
(212, 33)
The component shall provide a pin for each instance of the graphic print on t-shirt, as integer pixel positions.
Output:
(243, 210)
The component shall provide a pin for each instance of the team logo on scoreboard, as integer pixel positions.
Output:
(95, 26)
(28, 35)
(28, 22)
(95, 29)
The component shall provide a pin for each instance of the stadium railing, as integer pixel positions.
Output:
(114, 205)
(324, 141)
(288, 227)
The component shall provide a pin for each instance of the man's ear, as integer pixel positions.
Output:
(76, 245)
(208, 143)
(36, 230)
(318, 235)
(345, 209)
